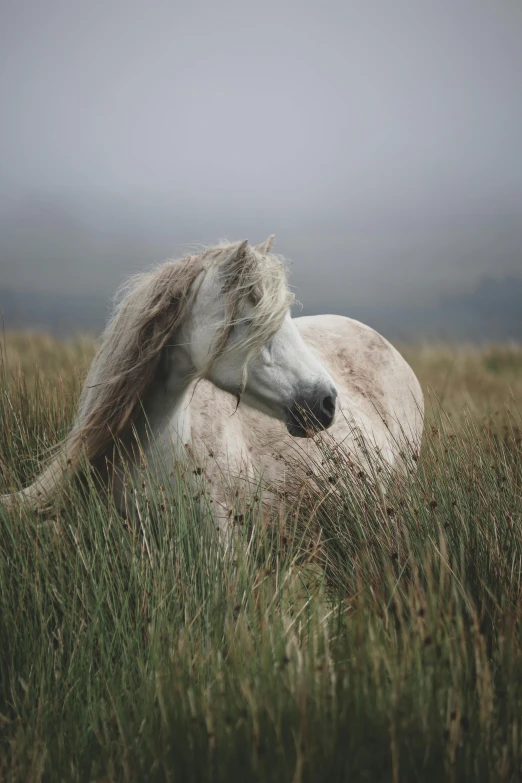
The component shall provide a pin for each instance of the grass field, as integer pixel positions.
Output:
(352, 639)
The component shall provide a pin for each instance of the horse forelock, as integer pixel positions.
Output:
(258, 277)
(148, 310)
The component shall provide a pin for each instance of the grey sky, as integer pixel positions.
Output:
(381, 141)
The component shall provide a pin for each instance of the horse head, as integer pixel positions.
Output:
(240, 336)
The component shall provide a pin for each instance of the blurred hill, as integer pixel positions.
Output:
(491, 311)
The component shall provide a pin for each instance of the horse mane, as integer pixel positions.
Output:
(149, 308)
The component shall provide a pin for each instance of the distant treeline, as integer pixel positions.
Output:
(55, 313)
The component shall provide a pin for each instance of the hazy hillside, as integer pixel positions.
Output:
(491, 311)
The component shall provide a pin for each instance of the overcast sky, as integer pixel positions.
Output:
(380, 140)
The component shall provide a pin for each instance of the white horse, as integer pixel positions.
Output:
(191, 340)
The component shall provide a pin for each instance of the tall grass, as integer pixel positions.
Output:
(353, 636)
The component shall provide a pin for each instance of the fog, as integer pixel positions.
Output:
(380, 141)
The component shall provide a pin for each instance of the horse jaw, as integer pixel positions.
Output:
(287, 382)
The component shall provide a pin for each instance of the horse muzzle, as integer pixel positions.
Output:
(311, 414)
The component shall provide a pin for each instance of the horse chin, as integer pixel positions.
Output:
(298, 431)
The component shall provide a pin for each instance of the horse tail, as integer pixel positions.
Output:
(44, 488)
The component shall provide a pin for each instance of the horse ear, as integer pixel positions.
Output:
(266, 246)
(238, 255)
(235, 262)
(241, 250)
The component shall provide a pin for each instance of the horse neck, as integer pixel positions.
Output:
(165, 421)
(159, 433)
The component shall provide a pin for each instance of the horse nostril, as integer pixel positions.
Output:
(306, 417)
(328, 406)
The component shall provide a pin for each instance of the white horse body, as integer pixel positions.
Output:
(202, 355)
(379, 397)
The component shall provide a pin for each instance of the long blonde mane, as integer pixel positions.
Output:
(150, 307)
